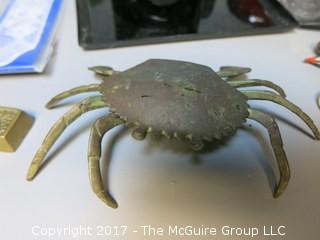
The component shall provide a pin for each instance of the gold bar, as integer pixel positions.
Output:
(14, 126)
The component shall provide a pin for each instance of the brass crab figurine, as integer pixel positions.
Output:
(183, 100)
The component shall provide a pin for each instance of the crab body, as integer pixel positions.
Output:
(177, 99)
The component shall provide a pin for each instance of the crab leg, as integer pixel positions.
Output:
(57, 129)
(74, 91)
(103, 70)
(257, 82)
(232, 71)
(276, 142)
(98, 130)
(270, 96)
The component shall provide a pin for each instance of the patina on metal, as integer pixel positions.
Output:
(14, 125)
(175, 99)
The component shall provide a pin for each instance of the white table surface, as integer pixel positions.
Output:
(152, 184)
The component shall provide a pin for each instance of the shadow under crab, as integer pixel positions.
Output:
(176, 99)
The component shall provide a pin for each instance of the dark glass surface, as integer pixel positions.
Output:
(139, 19)
(112, 23)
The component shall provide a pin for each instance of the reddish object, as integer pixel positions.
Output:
(250, 11)
(312, 60)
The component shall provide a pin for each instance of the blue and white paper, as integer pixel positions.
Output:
(26, 33)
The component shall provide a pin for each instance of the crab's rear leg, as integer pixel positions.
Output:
(232, 71)
(98, 130)
(71, 92)
(270, 96)
(57, 129)
(257, 82)
(276, 142)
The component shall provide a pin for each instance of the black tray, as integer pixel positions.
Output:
(114, 23)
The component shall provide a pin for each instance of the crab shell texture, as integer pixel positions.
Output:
(176, 98)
